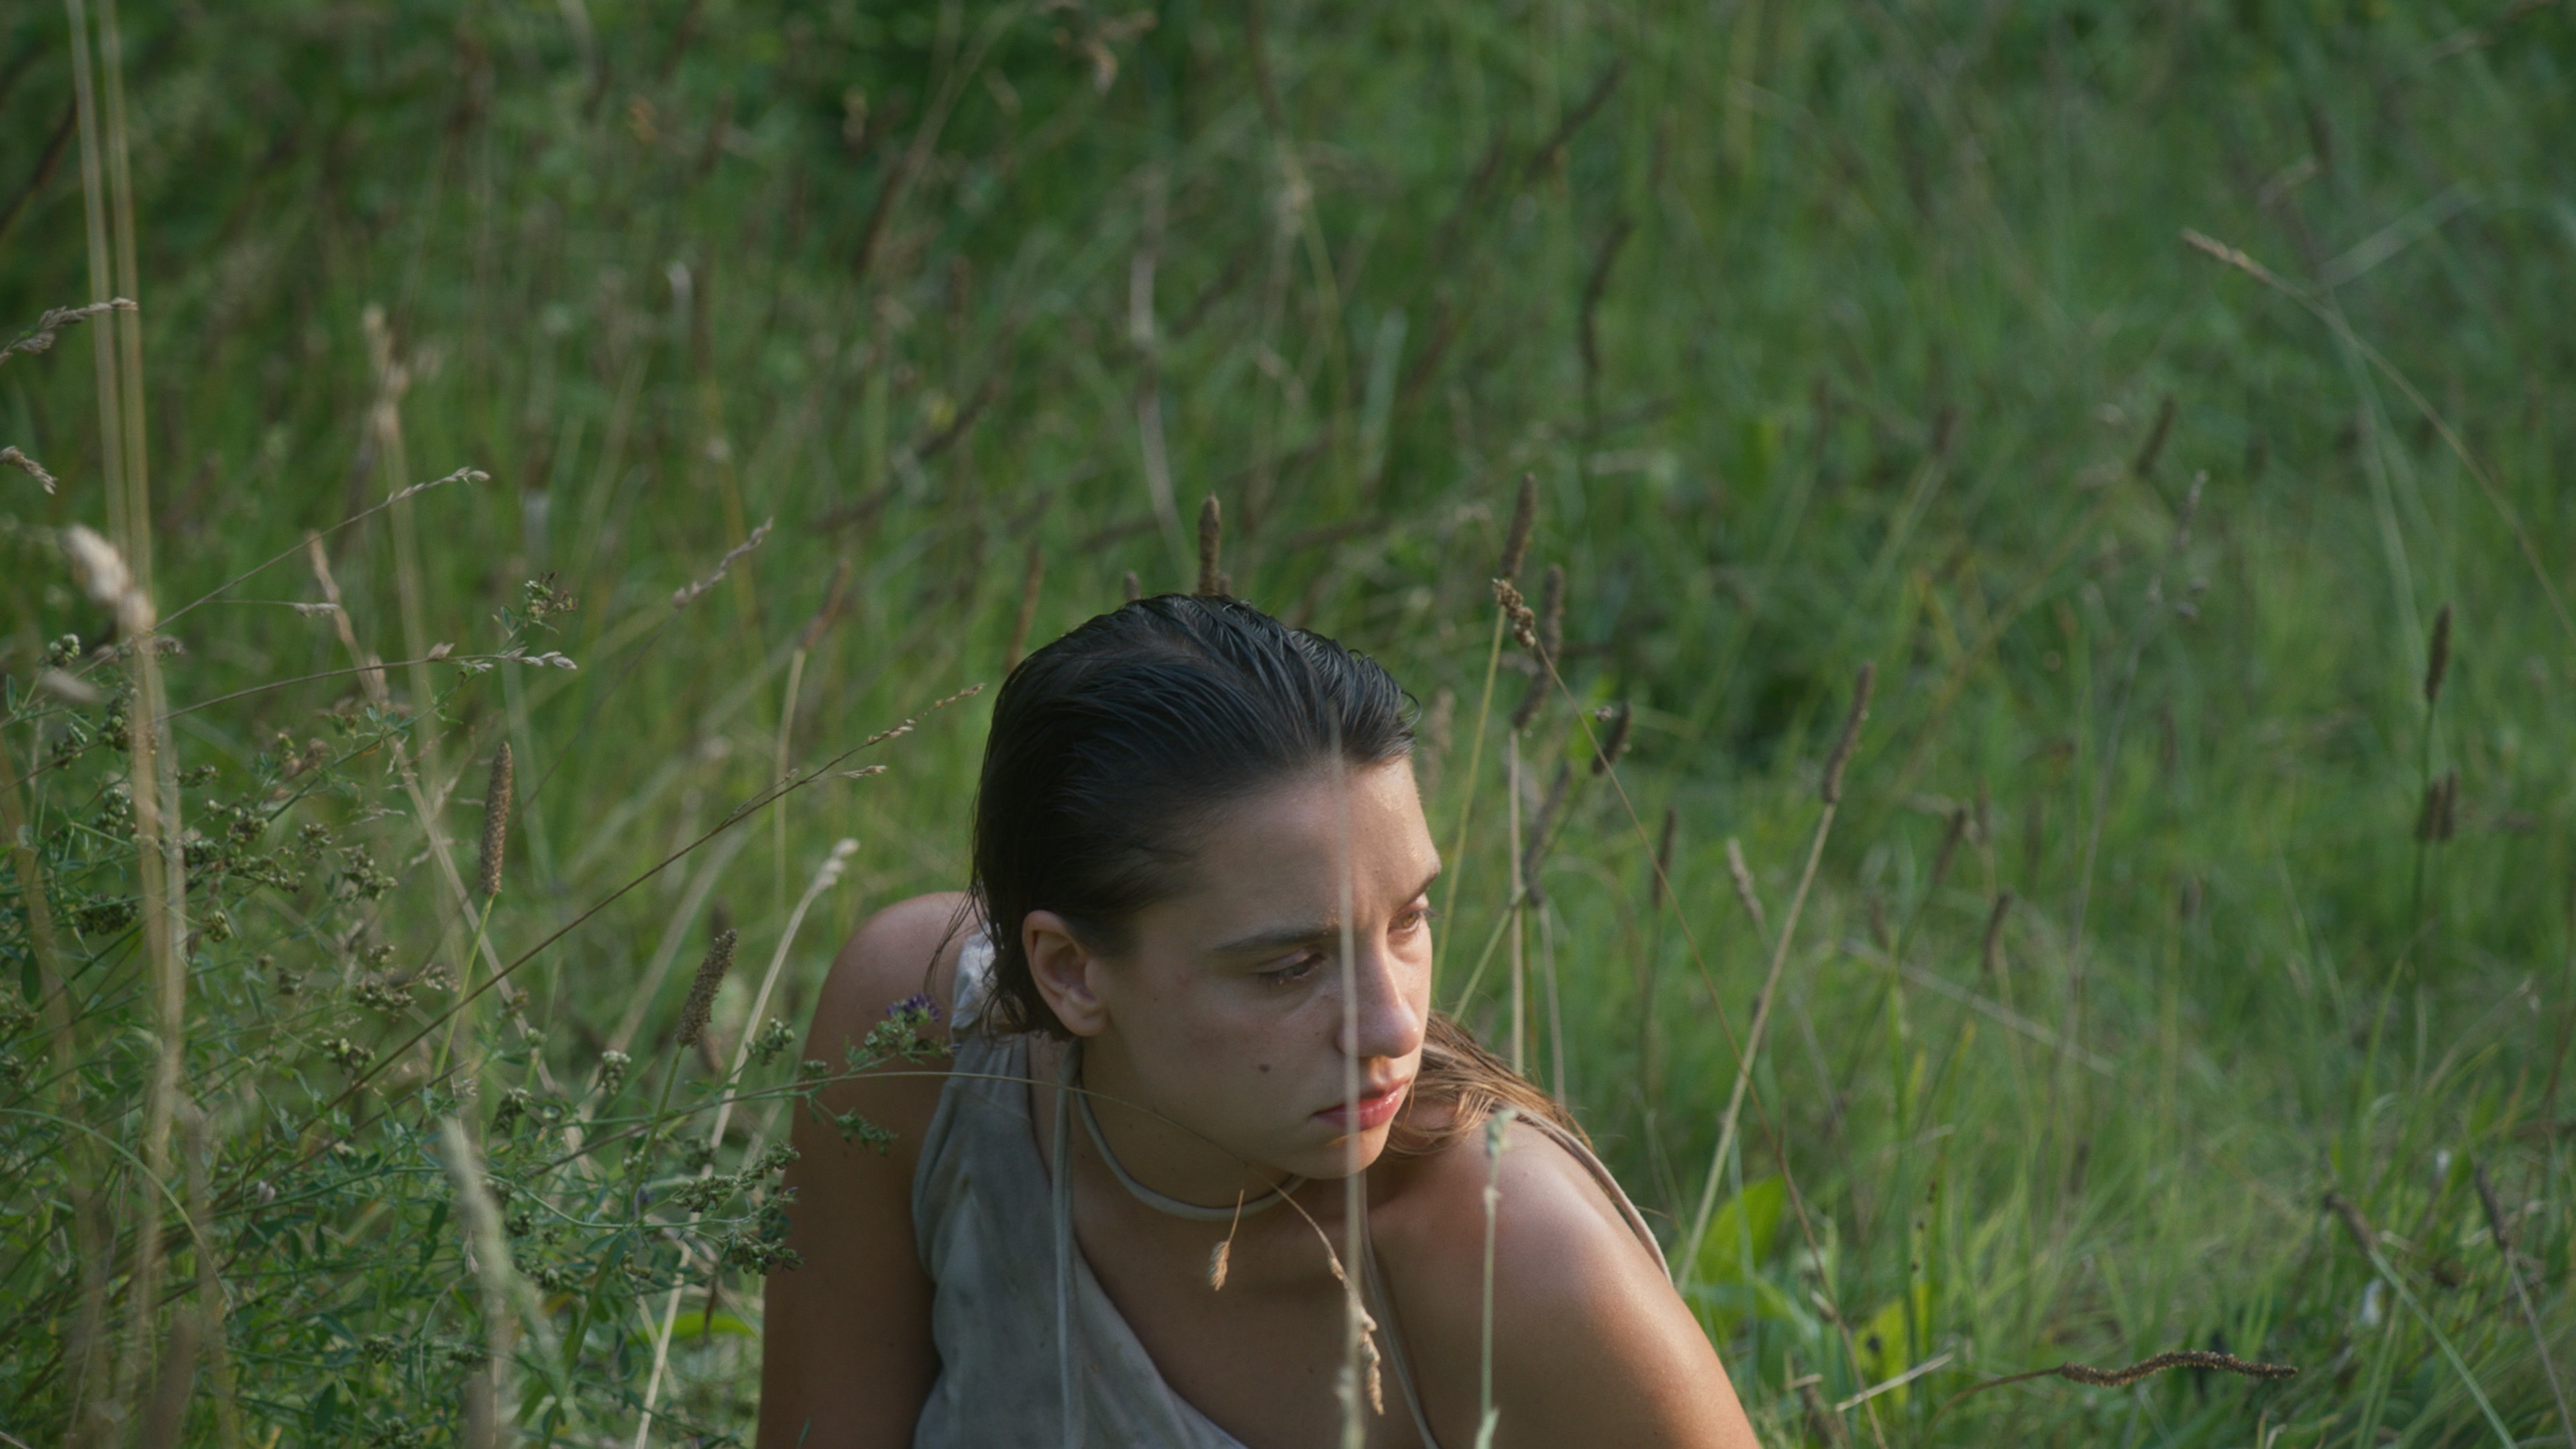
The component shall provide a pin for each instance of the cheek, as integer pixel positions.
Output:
(1213, 1060)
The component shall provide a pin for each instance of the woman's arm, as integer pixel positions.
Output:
(846, 1357)
(1591, 1344)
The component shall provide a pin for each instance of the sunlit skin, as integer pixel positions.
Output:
(1215, 1046)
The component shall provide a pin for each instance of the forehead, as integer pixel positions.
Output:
(1287, 847)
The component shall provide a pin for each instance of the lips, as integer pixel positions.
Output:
(1377, 1108)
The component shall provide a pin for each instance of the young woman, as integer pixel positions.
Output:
(1118, 1218)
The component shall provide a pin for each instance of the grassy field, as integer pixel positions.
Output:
(2182, 969)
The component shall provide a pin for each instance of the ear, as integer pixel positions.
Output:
(1065, 970)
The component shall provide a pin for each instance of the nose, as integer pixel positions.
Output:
(1384, 1022)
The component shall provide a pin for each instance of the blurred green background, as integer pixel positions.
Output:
(1831, 335)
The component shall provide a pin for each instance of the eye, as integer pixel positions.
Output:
(1415, 917)
(1298, 969)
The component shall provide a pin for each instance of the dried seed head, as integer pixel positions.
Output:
(1516, 538)
(1135, 587)
(107, 578)
(1218, 1258)
(1516, 613)
(2440, 816)
(1211, 544)
(496, 822)
(1622, 718)
(29, 466)
(1742, 875)
(702, 992)
(1861, 686)
(2438, 662)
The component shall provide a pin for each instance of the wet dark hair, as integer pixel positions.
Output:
(1111, 747)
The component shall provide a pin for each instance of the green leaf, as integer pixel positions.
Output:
(1741, 1233)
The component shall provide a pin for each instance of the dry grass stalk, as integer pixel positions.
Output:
(2439, 819)
(2499, 1228)
(486, 1393)
(1663, 858)
(1541, 826)
(702, 991)
(1832, 791)
(1955, 832)
(1991, 960)
(2437, 661)
(1751, 1050)
(496, 823)
(1135, 587)
(1745, 893)
(1031, 580)
(1822, 1422)
(29, 466)
(1516, 538)
(689, 593)
(1212, 579)
(41, 336)
(210, 1287)
(177, 1380)
(2119, 1378)
(829, 613)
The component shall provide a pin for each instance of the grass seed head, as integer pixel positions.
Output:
(29, 466)
(496, 822)
(1516, 538)
(702, 992)
(2438, 659)
(1742, 875)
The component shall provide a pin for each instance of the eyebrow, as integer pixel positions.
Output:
(1297, 934)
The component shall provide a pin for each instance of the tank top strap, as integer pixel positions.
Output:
(1610, 1185)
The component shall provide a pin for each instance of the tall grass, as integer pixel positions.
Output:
(1829, 339)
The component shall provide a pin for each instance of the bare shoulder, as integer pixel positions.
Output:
(909, 948)
(847, 1357)
(1591, 1343)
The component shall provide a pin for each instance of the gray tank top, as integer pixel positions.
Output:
(1016, 1314)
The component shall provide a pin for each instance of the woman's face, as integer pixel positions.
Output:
(1231, 1015)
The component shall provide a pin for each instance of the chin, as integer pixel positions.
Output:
(1332, 1162)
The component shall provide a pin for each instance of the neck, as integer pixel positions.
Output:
(1158, 1153)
